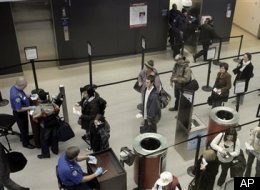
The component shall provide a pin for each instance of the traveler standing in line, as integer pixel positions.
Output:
(207, 34)
(91, 105)
(227, 146)
(46, 115)
(220, 91)
(20, 105)
(244, 71)
(148, 70)
(151, 106)
(181, 74)
(253, 153)
(206, 170)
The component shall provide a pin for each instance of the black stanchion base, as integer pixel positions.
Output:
(191, 171)
(207, 88)
(4, 103)
(236, 60)
(216, 62)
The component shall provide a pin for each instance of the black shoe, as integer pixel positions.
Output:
(29, 146)
(194, 58)
(54, 151)
(173, 109)
(42, 156)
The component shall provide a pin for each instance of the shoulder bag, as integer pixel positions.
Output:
(164, 98)
(16, 160)
(64, 131)
(192, 85)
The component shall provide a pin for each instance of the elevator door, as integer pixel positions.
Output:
(33, 25)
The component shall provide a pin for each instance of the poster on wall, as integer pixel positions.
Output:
(138, 15)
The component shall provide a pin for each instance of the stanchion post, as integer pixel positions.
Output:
(216, 62)
(239, 49)
(30, 55)
(143, 50)
(34, 75)
(238, 101)
(90, 62)
(182, 48)
(64, 104)
(191, 169)
(208, 88)
(3, 102)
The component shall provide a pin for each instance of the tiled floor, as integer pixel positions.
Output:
(121, 109)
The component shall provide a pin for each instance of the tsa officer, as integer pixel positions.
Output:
(71, 174)
(20, 105)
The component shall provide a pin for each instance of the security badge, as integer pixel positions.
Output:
(74, 173)
(17, 100)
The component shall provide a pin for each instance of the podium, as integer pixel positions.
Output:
(114, 178)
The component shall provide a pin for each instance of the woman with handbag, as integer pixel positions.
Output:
(227, 146)
(221, 87)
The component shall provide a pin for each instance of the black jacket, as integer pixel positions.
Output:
(246, 74)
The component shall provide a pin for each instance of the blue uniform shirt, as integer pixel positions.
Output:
(69, 172)
(18, 99)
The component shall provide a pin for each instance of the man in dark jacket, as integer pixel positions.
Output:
(207, 34)
(151, 106)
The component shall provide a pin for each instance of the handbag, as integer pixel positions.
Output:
(64, 131)
(238, 165)
(16, 160)
(193, 85)
(164, 98)
(137, 87)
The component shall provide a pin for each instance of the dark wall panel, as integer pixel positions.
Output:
(105, 23)
(9, 53)
(218, 9)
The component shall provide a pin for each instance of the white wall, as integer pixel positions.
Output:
(247, 15)
(177, 2)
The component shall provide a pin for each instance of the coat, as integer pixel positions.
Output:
(223, 82)
(153, 107)
(246, 74)
(181, 73)
(207, 33)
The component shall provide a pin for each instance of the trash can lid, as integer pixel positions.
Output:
(224, 115)
(147, 143)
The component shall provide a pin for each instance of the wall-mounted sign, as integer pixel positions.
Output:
(138, 15)
(30, 53)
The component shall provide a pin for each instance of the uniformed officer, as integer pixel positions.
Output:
(20, 105)
(70, 172)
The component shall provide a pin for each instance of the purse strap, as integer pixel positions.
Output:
(5, 149)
